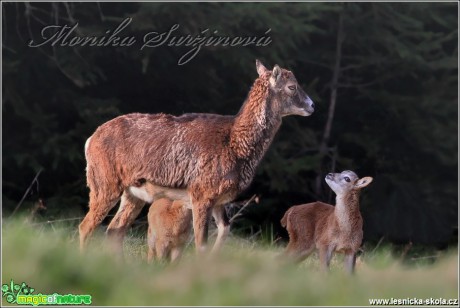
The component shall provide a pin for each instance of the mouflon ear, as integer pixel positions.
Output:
(261, 69)
(276, 75)
(363, 182)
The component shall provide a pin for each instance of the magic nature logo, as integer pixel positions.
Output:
(21, 294)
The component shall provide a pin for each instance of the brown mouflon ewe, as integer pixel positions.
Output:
(170, 226)
(204, 160)
(328, 228)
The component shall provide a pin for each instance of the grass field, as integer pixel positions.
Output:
(244, 273)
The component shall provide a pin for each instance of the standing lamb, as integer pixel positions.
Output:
(205, 160)
(170, 226)
(327, 228)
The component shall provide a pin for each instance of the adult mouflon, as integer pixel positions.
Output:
(204, 160)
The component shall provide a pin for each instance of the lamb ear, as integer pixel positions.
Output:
(276, 75)
(261, 69)
(363, 182)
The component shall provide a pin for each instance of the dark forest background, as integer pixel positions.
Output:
(383, 76)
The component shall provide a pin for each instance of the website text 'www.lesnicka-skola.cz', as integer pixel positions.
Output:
(413, 301)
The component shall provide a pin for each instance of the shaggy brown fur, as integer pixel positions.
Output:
(327, 228)
(170, 226)
(204, 160)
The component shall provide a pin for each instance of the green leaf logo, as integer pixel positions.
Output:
(12, 291)
(10, 298)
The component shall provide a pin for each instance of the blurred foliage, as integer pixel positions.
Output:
(244, 274)
(395, 120)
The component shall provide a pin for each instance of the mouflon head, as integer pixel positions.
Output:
(287, 91)
(346, 181)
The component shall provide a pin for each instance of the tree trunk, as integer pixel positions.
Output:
(323, 148)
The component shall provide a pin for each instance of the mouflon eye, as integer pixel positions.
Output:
(291, 88)
(347, 179)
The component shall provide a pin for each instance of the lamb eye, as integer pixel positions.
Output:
(291, 88)
(347, 179)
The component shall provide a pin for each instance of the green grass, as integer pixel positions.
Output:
(244, 273)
